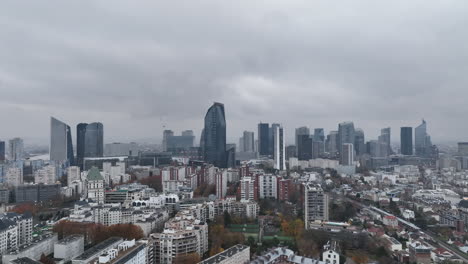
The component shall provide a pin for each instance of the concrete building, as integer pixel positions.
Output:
(221, 184)
(73, 174)
(330, 255)
(95, 186)
(89, 255)
(121, 149)
(268, 186)
(14, 176)
(315, 204)
(69, 247)
(248, 141)
(34, 250)
(237, 254)
(248, 189)
(46, 175)
(15, 149)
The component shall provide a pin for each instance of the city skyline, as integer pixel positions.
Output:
(323, 72)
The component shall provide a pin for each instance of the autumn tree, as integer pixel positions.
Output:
(189, 258)
(46, 260)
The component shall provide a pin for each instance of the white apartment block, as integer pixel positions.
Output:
(46, 175)
(315, 204)
(247, 188)
(73, 174)
(14, 176)
(268, 186)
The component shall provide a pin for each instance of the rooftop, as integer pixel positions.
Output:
(226, 254)
(98, 248)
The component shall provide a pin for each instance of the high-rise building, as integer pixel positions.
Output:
(16, 149)
(89, 141)
(263, 139)
(406, 139)
(376, 148)
(215, 136)
(318, 148)
(385, 138)
(230, 155)
(46, 175)
(332, 142)
(249, 141)
(280, 148)
(14, 176)
(304, 147)
(347, 154)
(463, 148)
(166, 135)
(300, 131)
(346, 135)
(73, 174)
(359, 142)
(248, 189)
(2, 151)
(272, 138)
(315, 204)
(61, 145)
(319, 135)
(422, 140)
(268, 186)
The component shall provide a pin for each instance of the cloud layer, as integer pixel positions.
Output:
(139, 66)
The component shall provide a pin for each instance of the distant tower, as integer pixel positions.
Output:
(214, 136)
(89, 141)
(166, 135)
(422, 140)
(263, 139)
(279, 148)
(16, 149)
(61, 145)
(406, 140)
(347, 154)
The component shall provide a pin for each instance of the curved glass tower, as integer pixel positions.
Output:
(61, 146)
(214, 136)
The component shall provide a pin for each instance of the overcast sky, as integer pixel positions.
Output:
(138, 65)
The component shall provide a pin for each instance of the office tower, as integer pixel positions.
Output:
(61, 145)
(268, 186)
(463, 148)
(166, 134)
(319, 135)
(406, 139)
(376, 148)
(263, 139)
(347, 154)
(241, 144)
(300, 131)
(230, 155)
(315, 204)
(345, 133)
(422, 141)
(359, 142)
(248, 141)
(304, 147)
(177, 144)
(89, 141)
(291, 151)
(272, 138)
(332, 142)
(121, 149)
(2, 151)
(16, 149)
(280, 148)
(385, 138)
(318, 148)
(215, 136)
(46, 175)
(188, 133)
(221, 184)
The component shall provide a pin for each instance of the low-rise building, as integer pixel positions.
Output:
(69, 247)
(237, 254)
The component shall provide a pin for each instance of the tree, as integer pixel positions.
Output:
(187, 258)
(227, 219)
(46, 260)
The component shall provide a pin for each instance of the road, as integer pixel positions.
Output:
(440, 242)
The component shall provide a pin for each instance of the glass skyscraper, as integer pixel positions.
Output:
(61, 145)
(406, 136)
(214, 136)
(263, 139)
(89, 141)
(422, 140)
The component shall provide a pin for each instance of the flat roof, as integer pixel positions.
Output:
(226, 254)
(98, 248)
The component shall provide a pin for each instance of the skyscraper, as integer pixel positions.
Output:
(280, 148)
(215, 136)
(406, 139)
(89, 141)
(249, 141)
(315, 204)
(346, 135)
(422, 140)
(301, 131)
(15, 149)
(166, 135)
(359, 142)
(2, 151)
(332, 142)
(61, 145)
(385, 138)
(347, 154)
(263, 138)
(319, 135)
(272, 138)
(304, 147)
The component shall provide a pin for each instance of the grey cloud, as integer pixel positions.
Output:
(137, 66)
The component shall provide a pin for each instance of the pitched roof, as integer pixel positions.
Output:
(94, 175)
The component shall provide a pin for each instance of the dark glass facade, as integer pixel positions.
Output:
(406, 140)
(89, 141)
(304, 147)
(61, 145)
(263, 138)
(2, 150)
(214, 136)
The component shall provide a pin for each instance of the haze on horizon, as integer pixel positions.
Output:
(139, 66)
